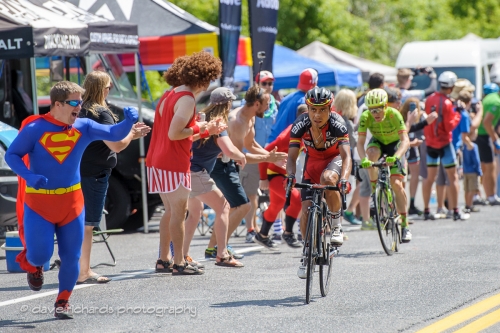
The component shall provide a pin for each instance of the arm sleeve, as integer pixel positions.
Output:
(431, 88)
(418, 126)
(296, 133)
(21, 146)
(401, 126)
(109, 132)
(363, 124)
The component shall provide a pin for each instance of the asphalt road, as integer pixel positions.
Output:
(439, 277)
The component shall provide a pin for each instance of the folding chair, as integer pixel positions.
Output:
(102, 234)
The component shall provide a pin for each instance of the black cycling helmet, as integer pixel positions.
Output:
(319, 96)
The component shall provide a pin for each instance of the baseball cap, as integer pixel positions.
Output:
(264, 76)
(308, 79)
(221, 95)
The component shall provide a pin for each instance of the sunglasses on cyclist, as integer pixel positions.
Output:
(74, 102)
(267, 83)
(323, 102)
(377, 110)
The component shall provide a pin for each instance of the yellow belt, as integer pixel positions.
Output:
(61, 190)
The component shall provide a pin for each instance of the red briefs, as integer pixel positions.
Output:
(58, 209)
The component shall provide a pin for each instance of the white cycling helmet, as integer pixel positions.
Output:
(447, 79)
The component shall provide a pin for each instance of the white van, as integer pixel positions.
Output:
(470, 58)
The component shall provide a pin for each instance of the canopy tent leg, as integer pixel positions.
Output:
(33, 85)
(141, 147)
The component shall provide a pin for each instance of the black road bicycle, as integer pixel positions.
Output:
(318, 250)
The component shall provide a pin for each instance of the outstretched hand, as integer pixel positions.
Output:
(131, 113)
(36, 181)
(216, 126)
(277, 157)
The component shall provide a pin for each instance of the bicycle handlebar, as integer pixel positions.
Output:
(383, 164)
(314, 186)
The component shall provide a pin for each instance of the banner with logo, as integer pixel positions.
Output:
(263, 19)
(229, 36)
(61, 42)
(16, 42)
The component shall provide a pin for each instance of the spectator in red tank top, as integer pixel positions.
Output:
(169, 154)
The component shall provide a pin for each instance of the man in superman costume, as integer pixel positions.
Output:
(46, 156)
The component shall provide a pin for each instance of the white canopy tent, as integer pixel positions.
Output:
(328, 54)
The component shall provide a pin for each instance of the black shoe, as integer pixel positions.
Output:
(35, 280)
(429, 216)
(291, 240)
(62, 310)
(414, 211)
(267, 242)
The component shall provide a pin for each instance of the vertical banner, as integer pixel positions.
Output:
(230, 28)
(263, 19)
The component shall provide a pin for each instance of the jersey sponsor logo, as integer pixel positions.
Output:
(300, 125)
(339, 163)
(60, 144)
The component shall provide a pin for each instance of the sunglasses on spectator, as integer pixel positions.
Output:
(267, 83)
(377, 110)
(73, 102)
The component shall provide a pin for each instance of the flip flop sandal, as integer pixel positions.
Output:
(187, 269)
(228, 261)
(95, 279)
(166, 266)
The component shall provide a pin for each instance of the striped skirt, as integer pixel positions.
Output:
(162, 181)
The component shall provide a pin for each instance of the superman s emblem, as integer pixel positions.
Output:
(60, 144)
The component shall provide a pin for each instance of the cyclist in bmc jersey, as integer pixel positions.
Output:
(390, 138)
(328, 156)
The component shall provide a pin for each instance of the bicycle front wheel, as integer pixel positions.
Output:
(311, 249)
(325, 268)
(385, 223)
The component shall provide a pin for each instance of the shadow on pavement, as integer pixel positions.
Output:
(25, 325)
(27, 288)
(363, 254)
(272, 303)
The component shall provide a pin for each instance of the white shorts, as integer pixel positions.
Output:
(162, 181)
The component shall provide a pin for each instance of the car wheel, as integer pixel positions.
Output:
(117, 204)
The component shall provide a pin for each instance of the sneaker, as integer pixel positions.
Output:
(193, 263)
(231, 252)
(449, 214)
(368, 225)
(472, 209)
(291, 240)
(62, 310)
(277, 238)
(440, 214)
(299, 237)
(406, 238)
(302, 272)
(351, 218)
(429, 216)
(211, 253)
(337, 238)
(460, 216)
(35, 280)
(414, 211)
(480, 201)
(267, 242)
(250, 236)
(494, 202)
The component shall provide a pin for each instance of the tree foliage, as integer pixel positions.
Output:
(373, 29)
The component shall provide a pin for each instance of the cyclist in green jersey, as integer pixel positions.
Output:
(390, 137)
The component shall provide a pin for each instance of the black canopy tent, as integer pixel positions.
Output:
(39, 28)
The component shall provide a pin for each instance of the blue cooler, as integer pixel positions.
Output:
(12, 247)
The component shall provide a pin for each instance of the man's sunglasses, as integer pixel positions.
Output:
(74, 102)
(377, 110)
(267, 83)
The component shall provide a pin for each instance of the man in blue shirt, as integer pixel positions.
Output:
(288, 109)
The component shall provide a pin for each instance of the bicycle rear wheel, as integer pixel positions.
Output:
(310, 256)
(325, 268)
(385, 224)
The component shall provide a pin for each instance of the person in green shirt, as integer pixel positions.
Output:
(390, 138)
(488, 143)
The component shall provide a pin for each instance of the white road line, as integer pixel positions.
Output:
(80, 286)
(114, 278)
